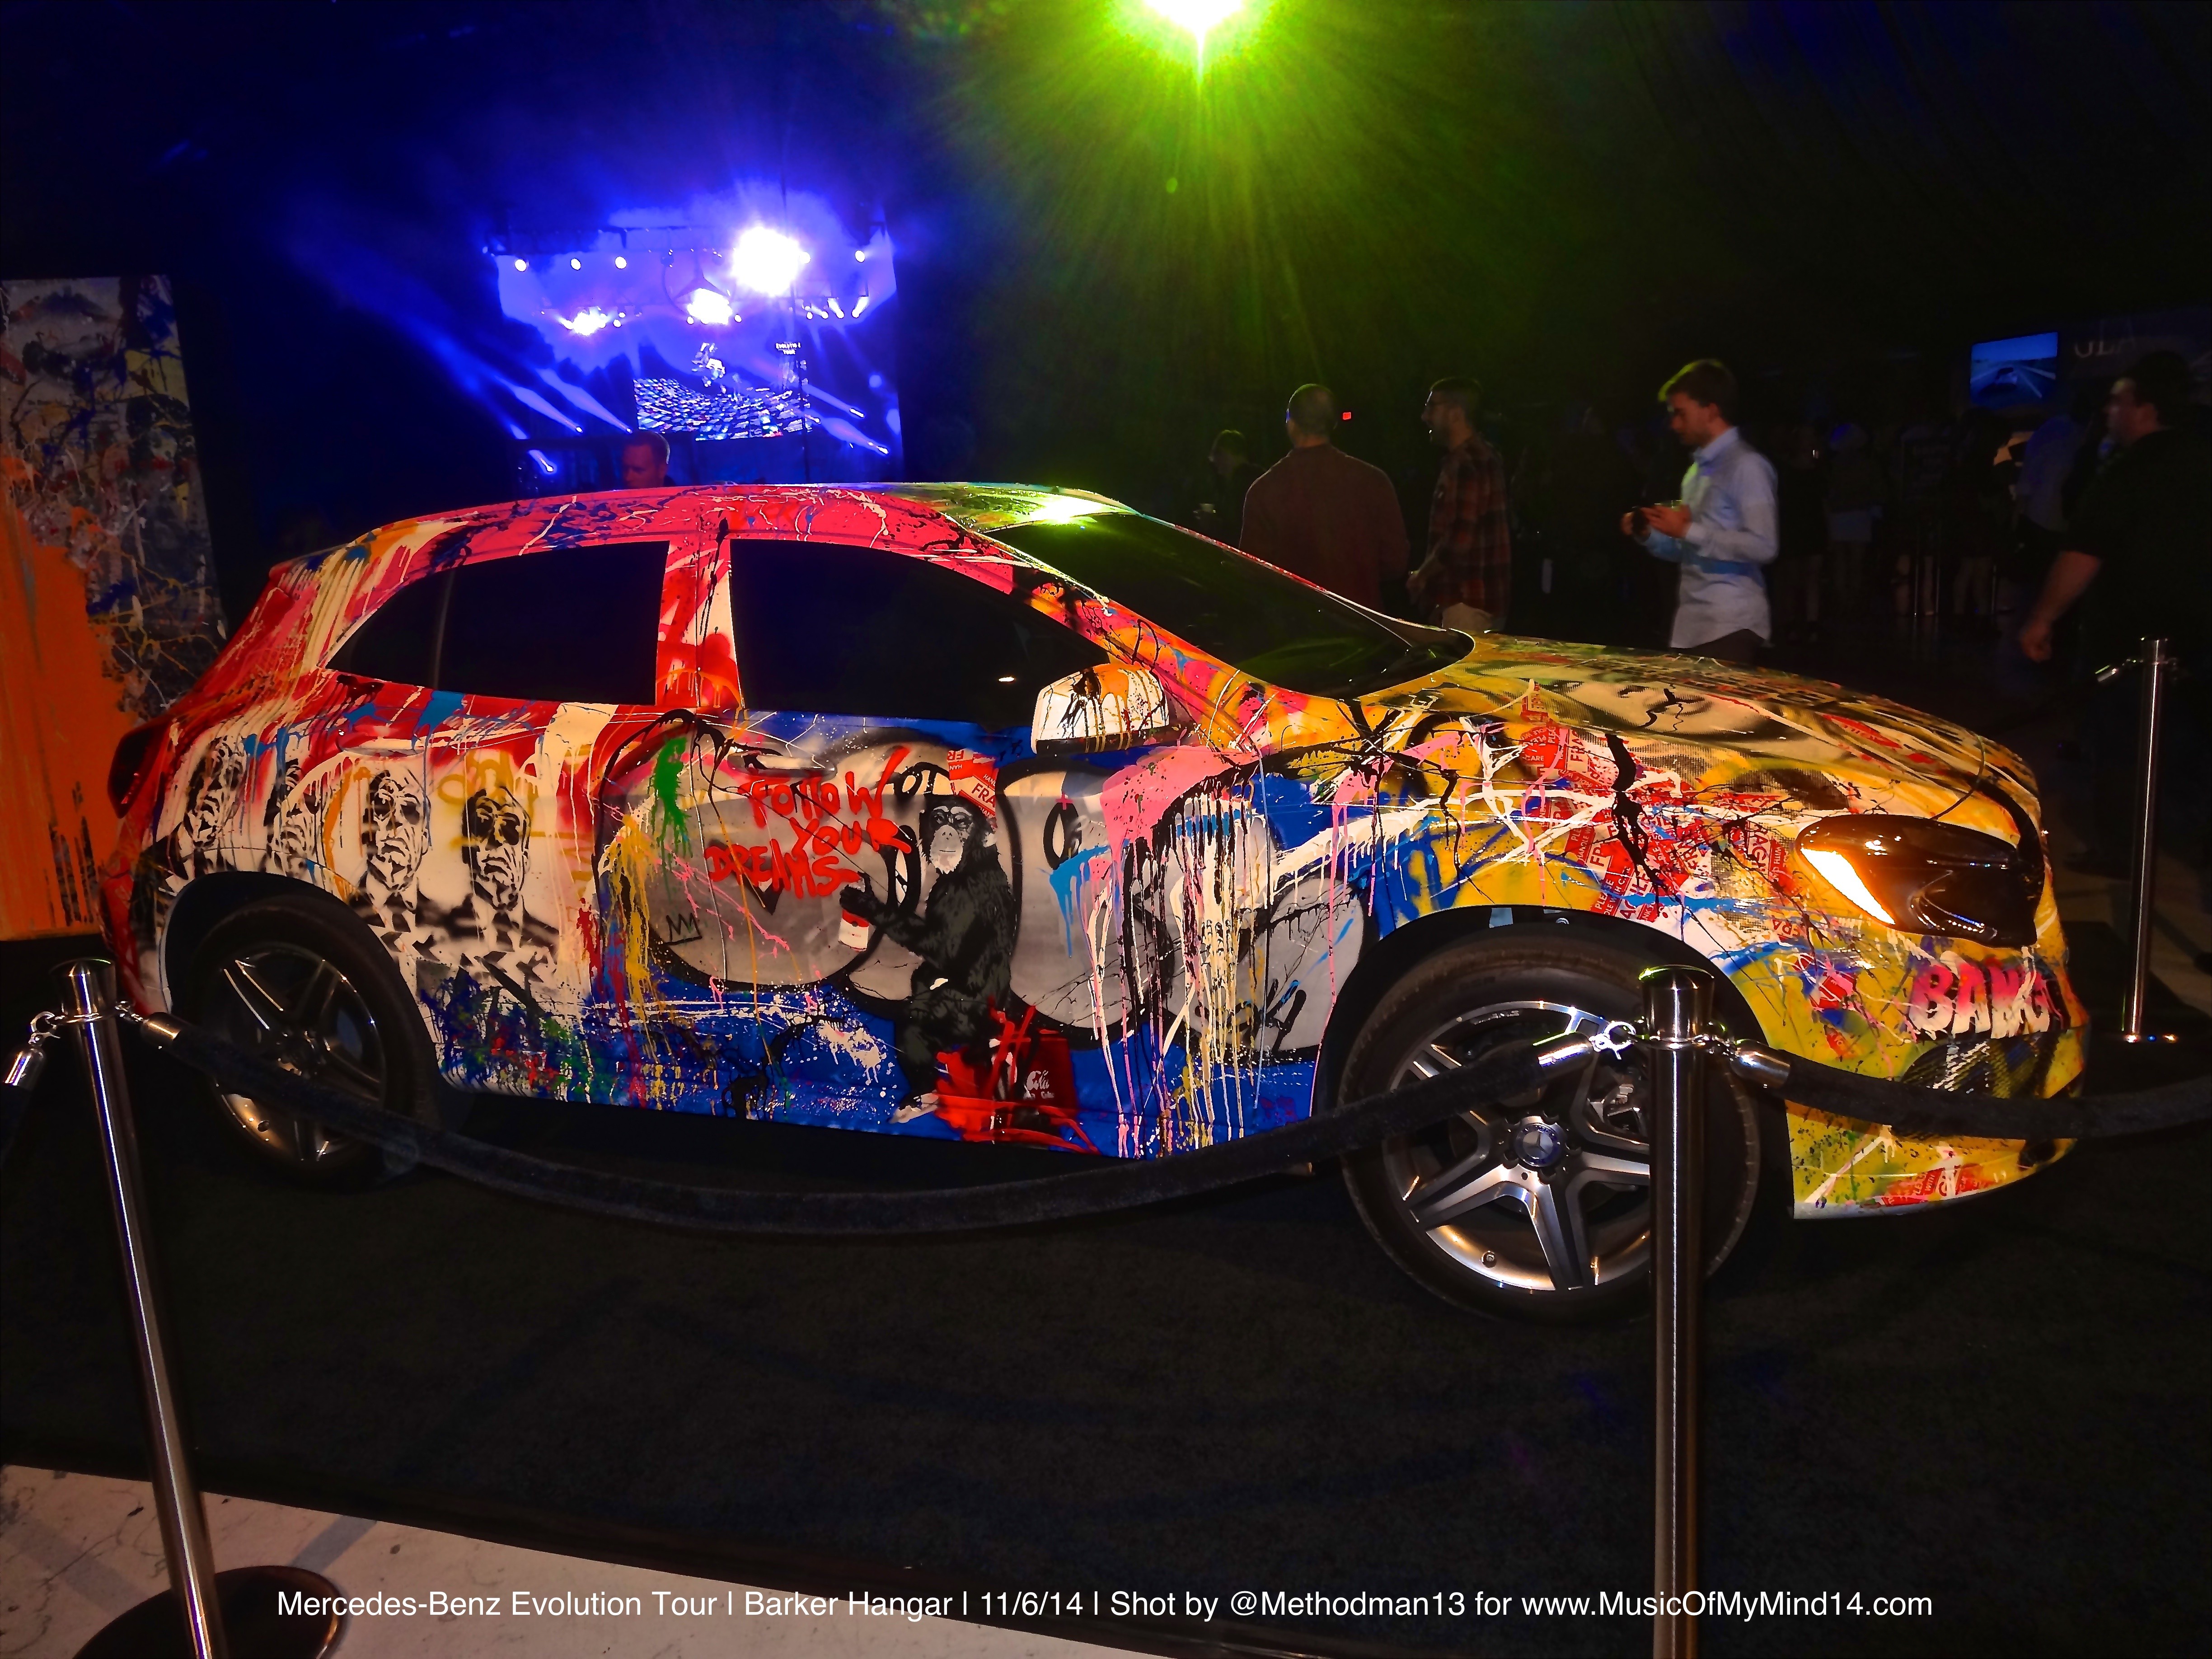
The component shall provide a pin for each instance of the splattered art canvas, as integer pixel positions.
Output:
(111, 609)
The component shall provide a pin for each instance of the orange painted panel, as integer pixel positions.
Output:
(107, 599)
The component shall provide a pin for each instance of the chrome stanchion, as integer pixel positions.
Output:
(199, 1603)
(2143, 856)
(1678, 1005)
(88, 1006)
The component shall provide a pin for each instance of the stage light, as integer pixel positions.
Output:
(860, 254)
(590, 320)
(522, 264)
(767, 261)
(835, 307)
(575, 264)
(1201, 17)
(1346, 415)
(1205, 29)
(709, 305)
(859, 305)
(620, 263)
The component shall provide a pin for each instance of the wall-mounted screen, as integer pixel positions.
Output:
(2003, 373)
(759, 348)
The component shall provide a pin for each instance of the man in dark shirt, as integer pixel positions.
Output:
(1321, 514)
(2140, 549)
(1466, 580)
(2138, 545)
(1213, 503)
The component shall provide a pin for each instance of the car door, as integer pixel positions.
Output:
(869, 887)
(482, 701)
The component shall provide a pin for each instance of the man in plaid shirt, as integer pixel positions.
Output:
(1467, 580)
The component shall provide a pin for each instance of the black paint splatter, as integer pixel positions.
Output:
(1628, 816)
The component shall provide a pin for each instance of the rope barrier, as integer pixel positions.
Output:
(1508, 1073)
(1675, 1044)
(1505, 1075)
(1912, 1110)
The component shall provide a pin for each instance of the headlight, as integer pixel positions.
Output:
(1931, 877)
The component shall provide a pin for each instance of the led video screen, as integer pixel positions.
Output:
(2004, 374)
(759, 349)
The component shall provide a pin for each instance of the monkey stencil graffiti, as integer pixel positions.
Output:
(1007, 814)
(963, 932)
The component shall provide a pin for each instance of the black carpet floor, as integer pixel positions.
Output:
(2000, 1405)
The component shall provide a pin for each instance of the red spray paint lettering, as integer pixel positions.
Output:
(1954, 997)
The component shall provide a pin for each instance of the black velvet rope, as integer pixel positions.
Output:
(1508, 1073)
(1913, 1110)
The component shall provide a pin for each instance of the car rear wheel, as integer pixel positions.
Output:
(297, 982)
(1540, 1210)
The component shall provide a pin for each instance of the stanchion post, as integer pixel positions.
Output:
(2143, 856)
(89, 1006)
(1678, 1006)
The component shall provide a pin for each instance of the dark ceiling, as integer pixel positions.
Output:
(1563, 198)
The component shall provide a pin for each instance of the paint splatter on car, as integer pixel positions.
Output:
(1008, 814)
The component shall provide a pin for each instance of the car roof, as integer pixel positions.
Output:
(827, 511)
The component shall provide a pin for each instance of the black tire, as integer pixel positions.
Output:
(1533, 1173)
(298, 980)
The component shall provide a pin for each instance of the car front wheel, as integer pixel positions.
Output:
(1540, 1210)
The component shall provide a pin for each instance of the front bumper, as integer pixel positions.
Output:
(1842, 1167)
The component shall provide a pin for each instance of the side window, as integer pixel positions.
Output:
(399, 641)
(573, 624)
(824, 629)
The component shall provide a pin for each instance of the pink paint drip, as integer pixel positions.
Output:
(1136, 798)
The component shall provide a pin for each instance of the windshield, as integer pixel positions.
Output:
(1248, 613)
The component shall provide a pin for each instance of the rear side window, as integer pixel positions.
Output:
(399, 642)
(824, 629)
(573, 624)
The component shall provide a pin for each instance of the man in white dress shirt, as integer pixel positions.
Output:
(1724, 528)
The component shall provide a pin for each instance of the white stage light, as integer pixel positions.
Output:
(767, 261)
(620, 263)
(522, 264)
(710, 307)
(575, 264)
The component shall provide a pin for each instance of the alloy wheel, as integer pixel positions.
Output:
(294, 1009)
(1549, 1193)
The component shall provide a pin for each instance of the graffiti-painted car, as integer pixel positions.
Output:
(1011, 815)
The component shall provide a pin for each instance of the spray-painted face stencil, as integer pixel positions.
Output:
(395, 832)
(212, 793)
(946, 828)
(496, 845)
(288, 824)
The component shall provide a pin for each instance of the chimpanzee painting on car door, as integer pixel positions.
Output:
(932, 928)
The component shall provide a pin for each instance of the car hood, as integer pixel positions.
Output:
(1722, 726)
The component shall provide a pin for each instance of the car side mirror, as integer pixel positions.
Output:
(1098, 710)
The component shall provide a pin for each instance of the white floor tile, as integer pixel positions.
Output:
(75, 1550)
